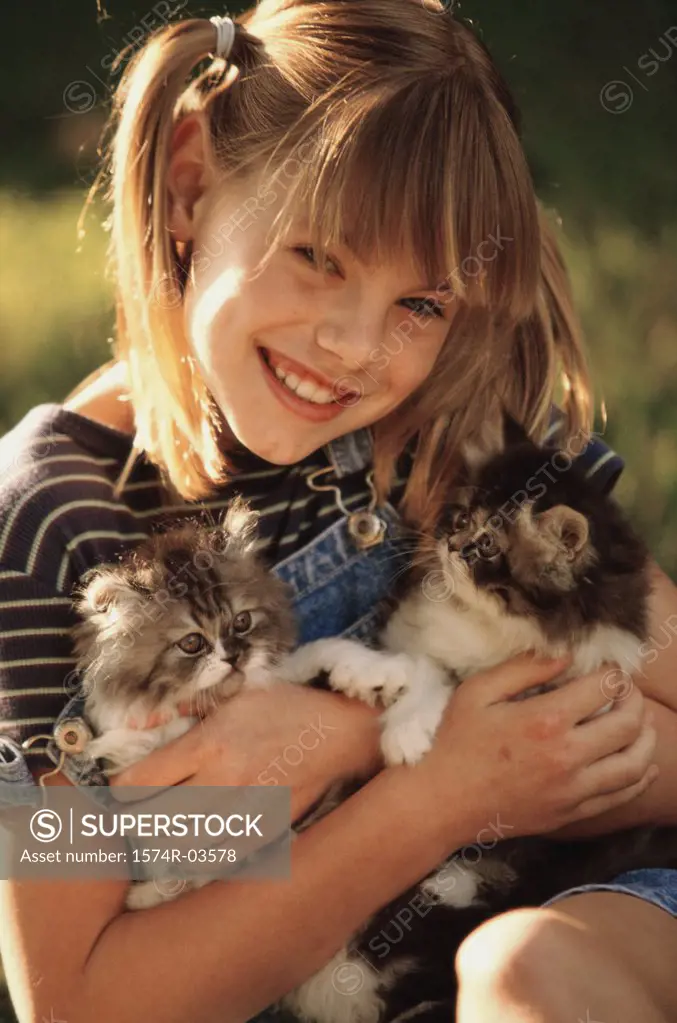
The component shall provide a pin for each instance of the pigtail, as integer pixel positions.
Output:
(175, 421)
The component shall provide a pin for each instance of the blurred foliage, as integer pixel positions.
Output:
(603, 155)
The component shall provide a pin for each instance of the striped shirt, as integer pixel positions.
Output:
(59, 518)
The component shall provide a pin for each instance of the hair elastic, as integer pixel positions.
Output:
(225, 35)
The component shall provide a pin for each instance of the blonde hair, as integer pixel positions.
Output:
(404, 139)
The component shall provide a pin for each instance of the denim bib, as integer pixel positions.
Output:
(337, 586)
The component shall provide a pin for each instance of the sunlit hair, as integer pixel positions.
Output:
(396, 134)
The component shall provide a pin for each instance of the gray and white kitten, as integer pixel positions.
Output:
(189, 617)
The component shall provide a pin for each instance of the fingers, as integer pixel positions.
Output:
(514, 676)
(168, 765)
(581, 697)
(602, 804)
(611, 732)
(622, 770)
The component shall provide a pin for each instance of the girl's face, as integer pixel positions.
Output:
(299, 355)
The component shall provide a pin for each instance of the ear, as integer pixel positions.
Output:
(513, 432)
(190, 174)
(485, 445)
(100, 590)
(240, 524)
(551, 550)
(494, 437)
(566, 528)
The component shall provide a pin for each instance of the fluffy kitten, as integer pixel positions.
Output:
(528, 556)
(192, 616)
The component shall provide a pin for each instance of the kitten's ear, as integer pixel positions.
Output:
(566, 528)
(551, 549)
(494, 437)
(100, 589)
(513, 432)
(484, 445)
(240, 524)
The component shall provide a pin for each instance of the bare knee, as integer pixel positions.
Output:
(518, 952)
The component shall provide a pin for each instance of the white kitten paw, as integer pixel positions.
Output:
(409, 726)
(406, 743)
(372, 677)
(144, 895)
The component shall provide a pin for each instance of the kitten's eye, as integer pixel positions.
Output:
(459, 521)
(193, 643)
(242, 622)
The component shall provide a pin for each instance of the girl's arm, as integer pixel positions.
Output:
(659, 677)
(230, 949)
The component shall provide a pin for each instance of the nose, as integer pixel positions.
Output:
(485, 543)
(469, 552)
(230, 659)
(352, 332)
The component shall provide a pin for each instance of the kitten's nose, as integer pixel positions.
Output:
(469, 552)
(230, 659)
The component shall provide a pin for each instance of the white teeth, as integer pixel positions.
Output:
(305, 389)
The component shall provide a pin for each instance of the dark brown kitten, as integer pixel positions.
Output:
(529, 555)
(537, 534)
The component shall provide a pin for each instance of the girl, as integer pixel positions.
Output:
(330, 269)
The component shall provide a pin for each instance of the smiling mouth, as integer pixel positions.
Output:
(302, 386)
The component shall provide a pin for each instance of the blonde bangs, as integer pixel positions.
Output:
(410, 172)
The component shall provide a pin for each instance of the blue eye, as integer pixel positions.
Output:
(424, 307)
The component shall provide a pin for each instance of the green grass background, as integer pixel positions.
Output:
(610, 177)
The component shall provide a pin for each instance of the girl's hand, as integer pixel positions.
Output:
(287, 735)
(537, 762)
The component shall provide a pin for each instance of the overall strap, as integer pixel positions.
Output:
(351, 452)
